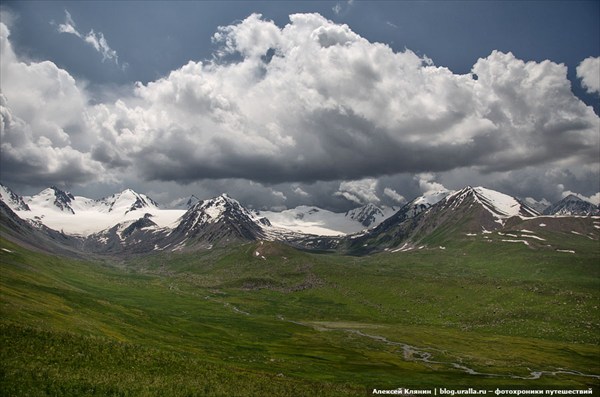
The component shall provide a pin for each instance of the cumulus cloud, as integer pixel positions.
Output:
(307, 102)
(589, 73)
(42, 122)
(300, 192)
(360, 192)
(594, 198)
(315, 101)
(394, 195)
(94, 39)
(428, 185)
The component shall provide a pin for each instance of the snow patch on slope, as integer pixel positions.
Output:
(497, 203)
(11, 199)
(317, 221)
(312, 220)
(500, 205)
(91, 216)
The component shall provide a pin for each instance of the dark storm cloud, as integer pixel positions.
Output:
(109, 157)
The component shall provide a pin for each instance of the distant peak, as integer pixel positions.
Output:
(226, 198)
(192, 200)
(64, 195)
(501, 205)
(572, 197)
(128, 200)
(221, 200)
(60, 198)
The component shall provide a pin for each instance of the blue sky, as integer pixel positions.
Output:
(148, 41)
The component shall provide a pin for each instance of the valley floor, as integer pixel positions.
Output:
(265, 319)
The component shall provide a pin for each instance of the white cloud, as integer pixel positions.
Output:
(96, 40)
(328, 105)
(298, 190)
(428, 185)
(279, 195)
(328, 96)
(7, 17)
(339, 7)
(589, 73)
(251, 39)
(361, 191)
(69, 25)
(43, 122)
(394, 195)
(594, 198)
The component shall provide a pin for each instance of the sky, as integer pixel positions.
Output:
(329, 103)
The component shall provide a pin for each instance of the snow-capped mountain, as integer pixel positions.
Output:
(57, 200)
(126, 201)
(318, 221)
(414, 208)
(132, 223)
(309, 220)
(184, 203)
(82, 216)
(572, 205)
(213, 211)
(370, 215)
(51, 198)
(131, 236)
(422, 203)
(473, 209)
(464, 211)
(12, 200)
(221, 219)
(500, 205)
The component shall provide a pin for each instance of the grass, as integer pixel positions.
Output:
(38, 362)
(227, 322)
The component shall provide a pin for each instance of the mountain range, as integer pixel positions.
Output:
(130, 223)
(572, 205)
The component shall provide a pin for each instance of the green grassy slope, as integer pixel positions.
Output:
(266, 319)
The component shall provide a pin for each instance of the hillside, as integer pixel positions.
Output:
(471, 287)
(481, 312)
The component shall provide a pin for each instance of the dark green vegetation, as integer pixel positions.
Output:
(265, 319)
